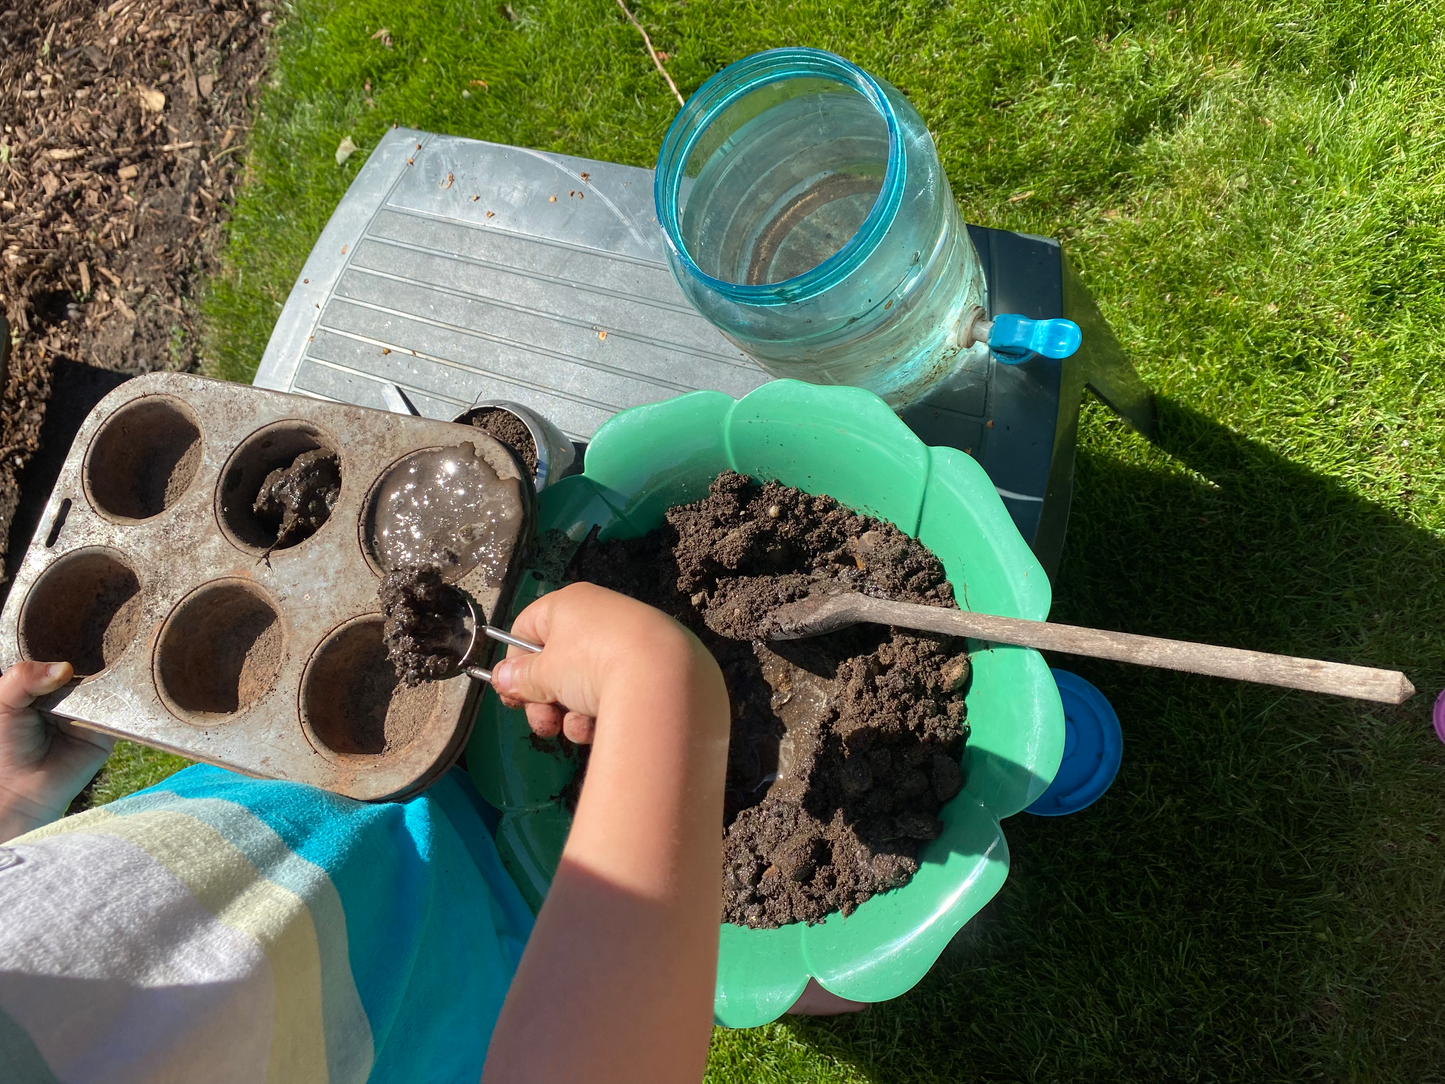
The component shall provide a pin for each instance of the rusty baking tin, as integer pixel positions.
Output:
(190, 632)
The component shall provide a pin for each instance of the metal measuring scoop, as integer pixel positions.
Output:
(480, 628)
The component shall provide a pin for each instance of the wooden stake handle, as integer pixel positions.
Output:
(1339, 679)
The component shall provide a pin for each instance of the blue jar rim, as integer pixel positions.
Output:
(708, 102)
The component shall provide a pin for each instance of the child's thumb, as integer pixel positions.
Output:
(24, 681)
(520, 677)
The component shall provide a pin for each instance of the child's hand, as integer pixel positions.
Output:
(625, 946)
(592, 639)
(44, 762)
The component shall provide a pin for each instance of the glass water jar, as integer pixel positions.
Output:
(808, 217)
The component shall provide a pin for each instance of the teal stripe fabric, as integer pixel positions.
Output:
(390, 928)
(348, 1033)
(434, 927)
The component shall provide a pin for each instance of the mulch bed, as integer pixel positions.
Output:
(123, 127)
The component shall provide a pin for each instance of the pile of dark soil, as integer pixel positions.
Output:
(844, 747)
(120, 131)
(296, 500)
(511, 431)
(422, 619)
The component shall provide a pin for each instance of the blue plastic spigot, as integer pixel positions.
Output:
(1013, 338)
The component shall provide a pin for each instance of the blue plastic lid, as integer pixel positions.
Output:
(1093, 749)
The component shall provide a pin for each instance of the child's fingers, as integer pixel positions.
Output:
(518, 681)
(579, 728)
(544, 719)
(535, 621)
(23, 682)
(81, 735)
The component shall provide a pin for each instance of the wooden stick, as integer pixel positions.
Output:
(813, 616)
(656, 60)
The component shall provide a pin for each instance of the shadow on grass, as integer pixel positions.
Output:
(1254, 897)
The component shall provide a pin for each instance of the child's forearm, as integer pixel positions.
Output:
(617, 981)
(651, 812)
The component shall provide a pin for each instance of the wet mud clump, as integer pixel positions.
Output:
(423, 624)
(296, 500)
(553, 556)
(845, 746)
(511, 431)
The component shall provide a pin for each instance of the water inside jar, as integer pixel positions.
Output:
(781, 180)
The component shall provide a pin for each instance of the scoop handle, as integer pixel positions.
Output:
(1288, 671)
(507, 638)
(483, 674)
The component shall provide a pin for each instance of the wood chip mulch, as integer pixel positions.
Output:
(122, 127)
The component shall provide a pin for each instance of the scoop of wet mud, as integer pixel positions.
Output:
(295, 500)
(844, 747)
(423, 621)
(511, 431)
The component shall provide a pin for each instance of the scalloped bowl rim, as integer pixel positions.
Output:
(648, 458)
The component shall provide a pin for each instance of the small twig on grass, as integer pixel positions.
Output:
(656, 60)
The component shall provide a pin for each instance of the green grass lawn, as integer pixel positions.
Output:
(1255, 193)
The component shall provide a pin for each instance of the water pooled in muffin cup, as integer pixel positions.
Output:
(446, 509)
(437, 516)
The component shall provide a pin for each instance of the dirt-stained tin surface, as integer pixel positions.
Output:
(206, 562)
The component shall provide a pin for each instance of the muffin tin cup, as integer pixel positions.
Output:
(192, 630)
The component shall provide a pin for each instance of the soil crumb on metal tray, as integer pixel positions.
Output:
(296, 500)
(844, 747)
(511, 431)
(422, 619)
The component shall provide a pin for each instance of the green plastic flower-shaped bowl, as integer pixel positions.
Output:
(846, 443)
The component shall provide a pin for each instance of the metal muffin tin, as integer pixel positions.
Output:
(151, 573)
